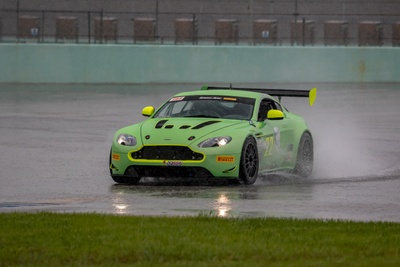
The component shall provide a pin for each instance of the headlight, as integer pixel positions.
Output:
(215, 142)
(126, 140)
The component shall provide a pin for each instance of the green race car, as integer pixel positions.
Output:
(215, 132)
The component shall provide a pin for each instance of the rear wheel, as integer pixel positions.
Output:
(305, 156)
(249, 161)
(122, 179)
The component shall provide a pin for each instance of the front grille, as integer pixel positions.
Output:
(167, 153)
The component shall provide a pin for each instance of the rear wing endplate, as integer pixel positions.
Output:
(311, 94)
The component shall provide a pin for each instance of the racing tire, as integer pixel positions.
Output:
(122, 179)
(249, 162)
(305, 156)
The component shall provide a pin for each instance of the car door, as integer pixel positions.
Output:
(265, 139)
(284, 135)
(276, 136)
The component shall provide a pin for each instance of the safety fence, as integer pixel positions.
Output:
(248, 28)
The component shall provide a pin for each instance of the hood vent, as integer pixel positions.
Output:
(160, 124)
(201, 125)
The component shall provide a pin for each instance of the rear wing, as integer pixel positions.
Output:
(311, 94)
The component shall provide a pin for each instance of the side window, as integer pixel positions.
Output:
(278, 106)
(265, 106)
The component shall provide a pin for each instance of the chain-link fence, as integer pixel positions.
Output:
(356, 23)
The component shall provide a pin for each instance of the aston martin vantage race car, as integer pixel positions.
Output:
(215, 132)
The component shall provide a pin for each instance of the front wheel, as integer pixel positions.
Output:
(305, 156)
(249, 161)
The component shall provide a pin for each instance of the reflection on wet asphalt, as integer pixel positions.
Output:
(55, 141)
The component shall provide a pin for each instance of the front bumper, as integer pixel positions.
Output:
(223, 165)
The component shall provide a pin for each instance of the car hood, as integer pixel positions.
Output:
(182, 131)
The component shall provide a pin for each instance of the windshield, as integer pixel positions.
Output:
(238, 108)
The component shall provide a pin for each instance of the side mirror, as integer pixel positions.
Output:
(275, 114)
(148, 111)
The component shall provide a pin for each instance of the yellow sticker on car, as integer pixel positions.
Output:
(116, 156)
(226, 159)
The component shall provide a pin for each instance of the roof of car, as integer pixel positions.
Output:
(223, 92)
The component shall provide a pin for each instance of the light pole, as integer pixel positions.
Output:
(157, 18)
(296, 14)
(250, 10)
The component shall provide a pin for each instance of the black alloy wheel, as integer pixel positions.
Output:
(249, 162)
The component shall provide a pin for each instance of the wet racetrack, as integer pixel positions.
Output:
(55, 142)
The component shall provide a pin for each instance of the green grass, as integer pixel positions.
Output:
(49, 239)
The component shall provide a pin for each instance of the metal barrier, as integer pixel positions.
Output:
(207, 28)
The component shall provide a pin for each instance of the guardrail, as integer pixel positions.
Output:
(100, 27)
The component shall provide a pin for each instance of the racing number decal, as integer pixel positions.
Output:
(277, 136)
(269, 141)
(272, 141)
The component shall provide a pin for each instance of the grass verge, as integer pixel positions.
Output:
(49, 239)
